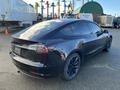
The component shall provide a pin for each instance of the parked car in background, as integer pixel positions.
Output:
(116, 22)
(86, 16)
(57, 47)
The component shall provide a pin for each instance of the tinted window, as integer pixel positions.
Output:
(81, 28)
(77, 28)
(39, 30)
(94, 27)
(65, 31)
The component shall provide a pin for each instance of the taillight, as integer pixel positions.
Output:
(42, 49)
(39, 48)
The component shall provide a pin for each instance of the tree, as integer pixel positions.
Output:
(36, 7)
(53, 6)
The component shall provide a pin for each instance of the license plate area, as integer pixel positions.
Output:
(17, 50)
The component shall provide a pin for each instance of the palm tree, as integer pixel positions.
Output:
(53, 6)
(64, 6)
(36, 7)
(42, 7)
(58, 8)
(47, 3)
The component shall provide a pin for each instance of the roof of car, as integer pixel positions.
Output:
(63, 20)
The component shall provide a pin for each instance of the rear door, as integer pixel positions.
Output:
(100, 36)
(87, 38)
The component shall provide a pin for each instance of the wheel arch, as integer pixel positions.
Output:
(78, 51)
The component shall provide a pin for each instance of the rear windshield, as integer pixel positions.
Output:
(39, 30)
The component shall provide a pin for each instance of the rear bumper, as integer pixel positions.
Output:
(35, 69)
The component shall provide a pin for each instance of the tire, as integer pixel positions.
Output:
(71, 67)
(108, 45)
(115, 25)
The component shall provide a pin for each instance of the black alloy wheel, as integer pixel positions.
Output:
(108, 45)
(72, 66)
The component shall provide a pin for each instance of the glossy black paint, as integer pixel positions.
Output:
(68, 36)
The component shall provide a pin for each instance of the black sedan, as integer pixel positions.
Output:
(57, 47)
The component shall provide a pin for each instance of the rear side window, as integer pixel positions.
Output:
(39, 30)
(66, 30)
(81, 28)
(74, 29)
(94, 28)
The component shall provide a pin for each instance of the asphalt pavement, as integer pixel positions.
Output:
(101, 72)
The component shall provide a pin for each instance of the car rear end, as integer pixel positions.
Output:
(35, 58)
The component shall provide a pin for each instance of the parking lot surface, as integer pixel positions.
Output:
(101, 72)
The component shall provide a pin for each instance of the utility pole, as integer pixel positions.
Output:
(58, 8)
(64, 6)
(42, 7)
(47, 3)
(73, 5)
(53, 6)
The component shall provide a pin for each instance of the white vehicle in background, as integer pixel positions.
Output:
(81, 16)
(106, 20)
(17, 11)
(86, 16)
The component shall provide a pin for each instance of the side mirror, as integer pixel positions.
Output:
(105, 31)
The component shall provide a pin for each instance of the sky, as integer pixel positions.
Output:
(111, 7)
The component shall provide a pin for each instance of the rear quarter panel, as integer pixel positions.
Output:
(65, 47)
